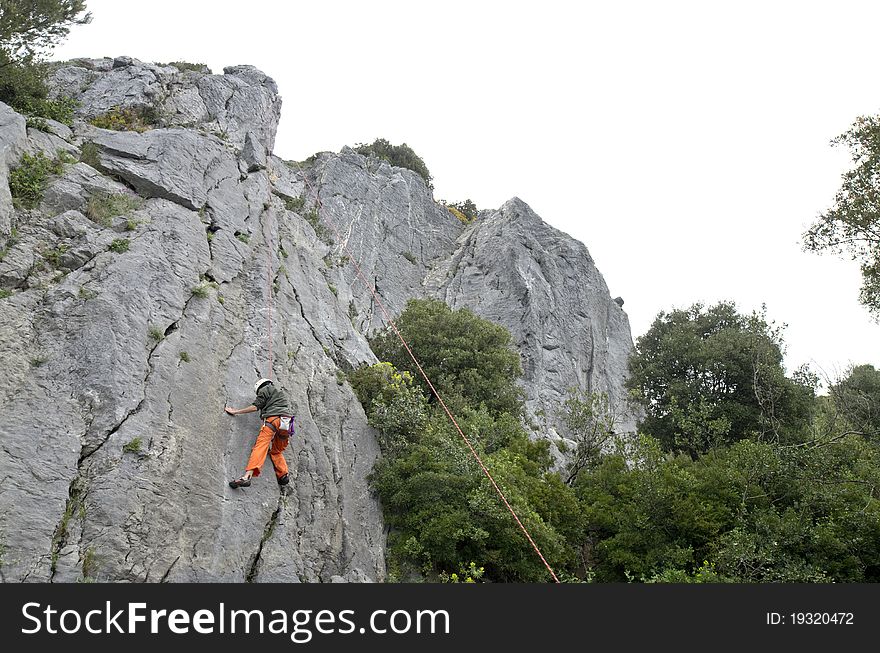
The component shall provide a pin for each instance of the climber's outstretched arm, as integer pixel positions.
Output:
(241, 411)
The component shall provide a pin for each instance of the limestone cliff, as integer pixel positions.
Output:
(123, 333)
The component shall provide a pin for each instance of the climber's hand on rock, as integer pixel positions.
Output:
(229, 411)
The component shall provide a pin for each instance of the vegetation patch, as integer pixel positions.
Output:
(186, 66)
(321, 231)
(295, 204)
(40, 124)
(89, 153)
(66, 157)
(120, 245)
(130, 119)
(401, 156)
(134, 446)
(202, 290)
(465, 211)
(103, 207)
(28, 181)
(53, 256)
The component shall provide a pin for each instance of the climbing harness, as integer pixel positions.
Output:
(285, 426)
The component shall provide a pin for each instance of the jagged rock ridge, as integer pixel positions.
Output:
(116, 360)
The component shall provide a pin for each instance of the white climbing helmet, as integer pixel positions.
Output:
(260, 384)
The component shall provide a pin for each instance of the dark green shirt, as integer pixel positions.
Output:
(272, 401)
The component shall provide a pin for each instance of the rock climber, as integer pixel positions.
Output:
(274, 435)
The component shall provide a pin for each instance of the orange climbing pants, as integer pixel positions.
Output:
(271, 444)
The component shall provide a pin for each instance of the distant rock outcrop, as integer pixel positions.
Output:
(126, 330)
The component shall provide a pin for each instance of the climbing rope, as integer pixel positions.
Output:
(319, 205)
(270, 294)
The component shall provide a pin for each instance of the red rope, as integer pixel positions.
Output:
(270, 373)
(391, 322)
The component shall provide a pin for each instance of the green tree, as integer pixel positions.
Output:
(590, 421)
(442, 511)
(394, 406)
(750, 512)
(852, 224)
(29, 27)
(857, 397)
(711, 376)
(465, 356)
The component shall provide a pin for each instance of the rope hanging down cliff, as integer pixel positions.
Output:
(388, 319)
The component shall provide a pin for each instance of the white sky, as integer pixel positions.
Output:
(686, 143)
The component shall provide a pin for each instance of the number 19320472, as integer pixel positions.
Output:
(810, 618)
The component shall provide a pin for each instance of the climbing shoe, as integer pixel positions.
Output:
(240, 482)
(284, 480)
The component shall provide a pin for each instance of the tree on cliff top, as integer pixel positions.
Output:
(29, 27)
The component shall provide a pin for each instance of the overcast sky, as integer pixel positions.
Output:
(686, 143)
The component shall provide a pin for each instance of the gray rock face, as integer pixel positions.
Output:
(13, 136)
(516, 270)
(507, 266)
(122, 341)
(125, 333)
(242, 101)
(175, 164)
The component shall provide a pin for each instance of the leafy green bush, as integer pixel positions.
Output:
(38, 123)
(22, 83)
(120, 245)
(243, 237)
(4, 293)
(463, 354)
(466, 211)
(23, 87)
(394, 405)
(136, 119)
(103, 207)
(65, 157)
(401, 156)
(60, 110)
(184, 357)
(28, 181)
(89, 153)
